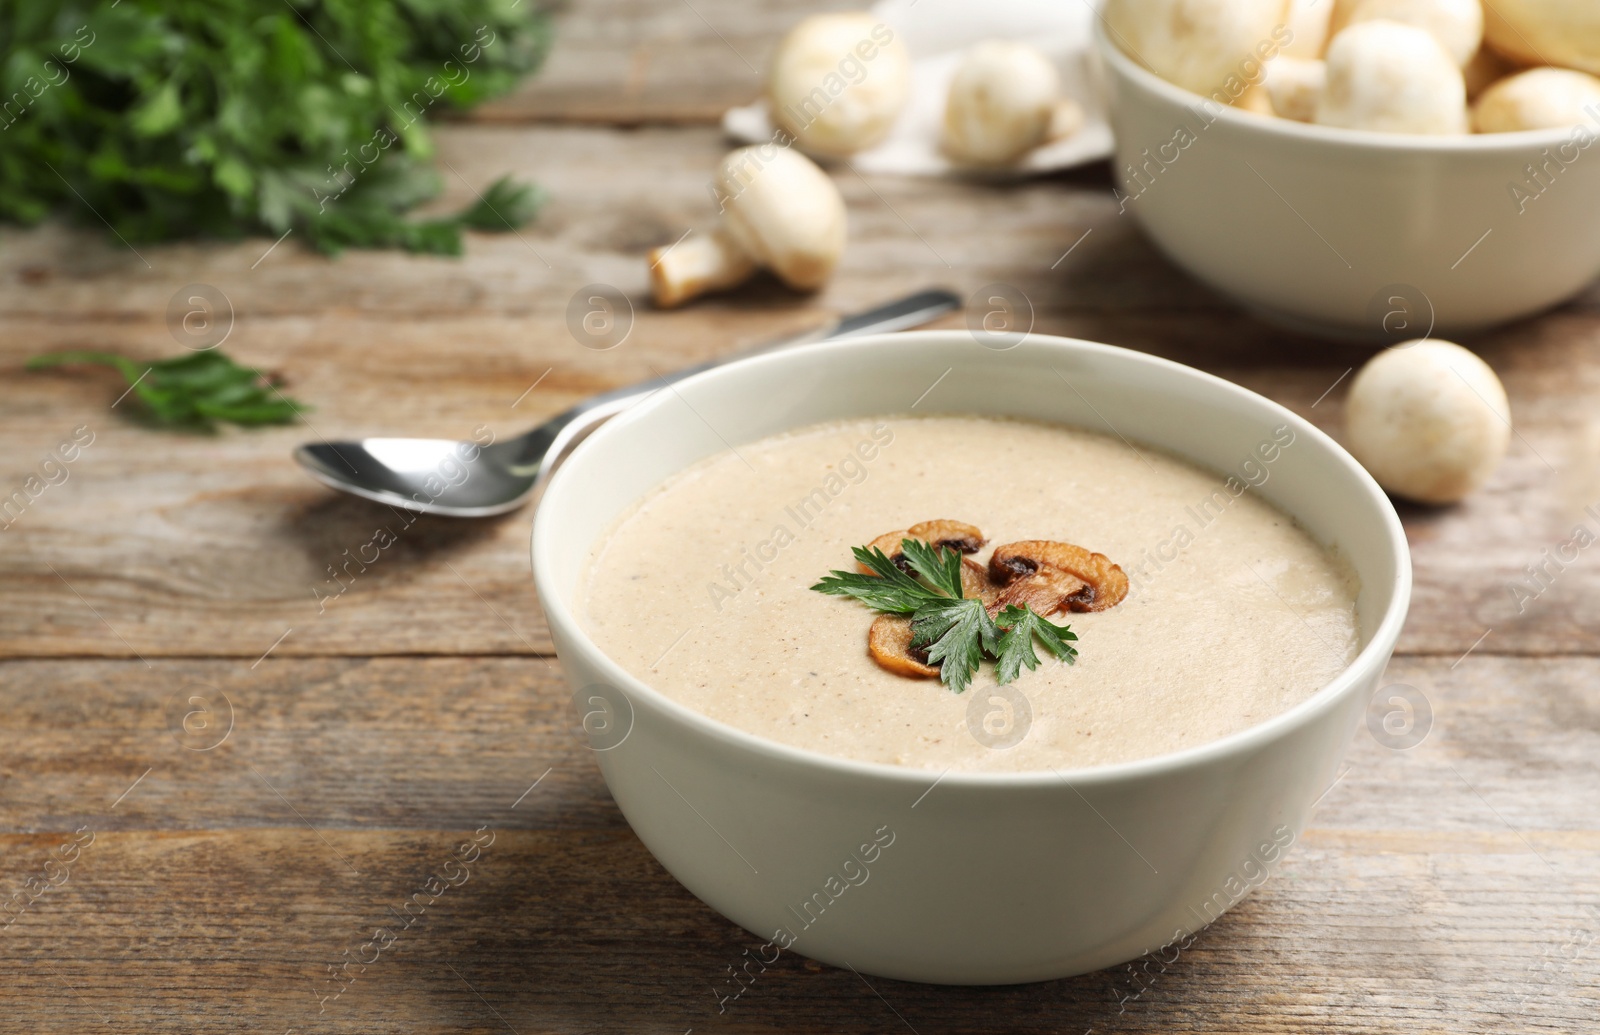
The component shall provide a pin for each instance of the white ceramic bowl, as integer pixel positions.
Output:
(990, 878)
(1354, 233)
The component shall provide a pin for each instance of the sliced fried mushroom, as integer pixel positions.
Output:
(889, 642)
(889, 544)
(945, 534)
(1039, 563)
(956, 535)
(1046, 591)
(975, 580)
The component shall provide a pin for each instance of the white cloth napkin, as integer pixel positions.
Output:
(936, 33)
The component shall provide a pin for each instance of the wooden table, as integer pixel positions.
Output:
(184, 885)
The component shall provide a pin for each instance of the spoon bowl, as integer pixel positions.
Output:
(430, 475)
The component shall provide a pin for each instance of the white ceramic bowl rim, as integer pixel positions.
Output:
(559, 614)
(1463, 143)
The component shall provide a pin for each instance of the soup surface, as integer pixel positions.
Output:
(1234, 613)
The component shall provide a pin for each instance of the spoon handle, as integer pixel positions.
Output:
(568, 428)
(911, 311)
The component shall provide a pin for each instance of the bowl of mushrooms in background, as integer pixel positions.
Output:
(1379, 169)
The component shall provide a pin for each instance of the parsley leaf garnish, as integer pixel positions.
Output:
(957, 634)
(1021, 626)
(195, 391)
(956, 631)
(890, 590)
(940, 567)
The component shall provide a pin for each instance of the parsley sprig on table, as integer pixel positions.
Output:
(195, 391)
(956, 631)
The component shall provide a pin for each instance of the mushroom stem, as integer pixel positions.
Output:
(698, 264)
(1295, 87)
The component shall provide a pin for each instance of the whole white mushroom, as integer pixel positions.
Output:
(838, 81)
(779, 211)
(1456, 24)
(1001, 102)
(1546, 32)
(1540, 98)
(1200, 45)
(1392, 78)
(1429, 420)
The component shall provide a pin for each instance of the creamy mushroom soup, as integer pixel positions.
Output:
(1231, 612)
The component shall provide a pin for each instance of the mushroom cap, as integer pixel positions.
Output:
(1540, 98)
(1000, 104)
(1456, 24)
(837, 82)
(783, 211)
(1545, 32)
(1387, 77)
(1429, 420)
(1196, 44)
(1295, 86)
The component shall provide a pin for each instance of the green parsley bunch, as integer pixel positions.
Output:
(163, 119)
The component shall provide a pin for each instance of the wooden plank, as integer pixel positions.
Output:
(417, 743)
(240, 931)
(1445, 888)
(185, 546)
(623, 62)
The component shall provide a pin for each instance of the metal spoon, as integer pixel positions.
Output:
(460, 479)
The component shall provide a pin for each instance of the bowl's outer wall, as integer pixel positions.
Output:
(979, 885)
(985, 881)
(1313, 229)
